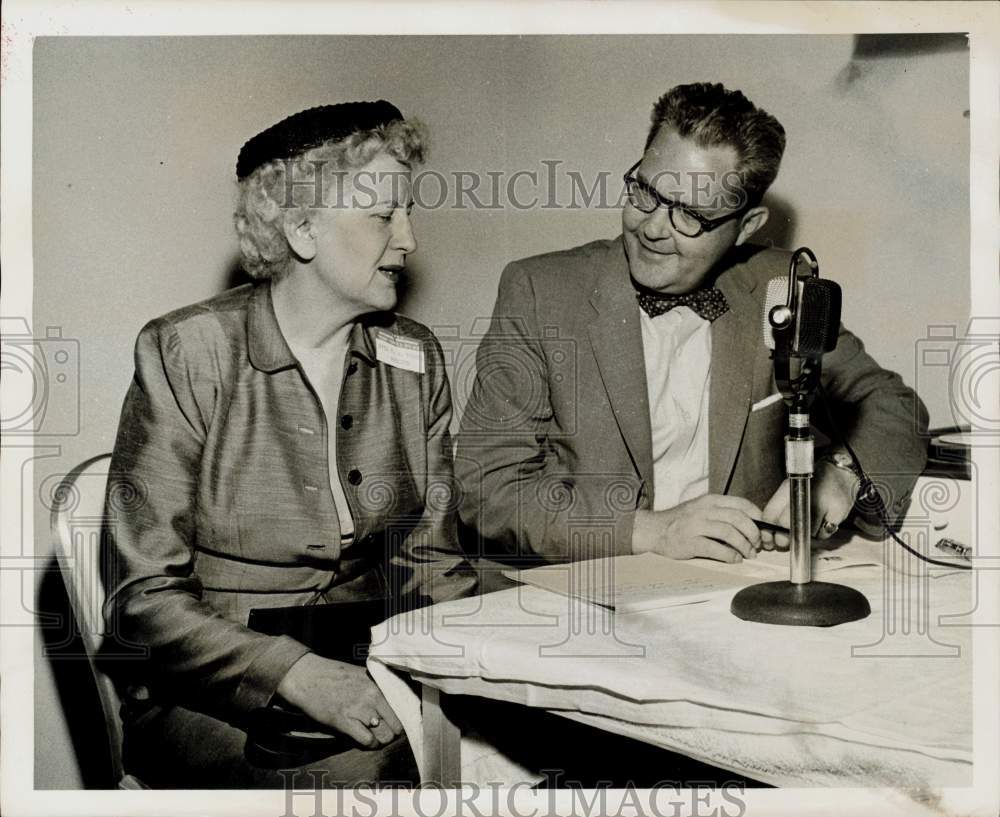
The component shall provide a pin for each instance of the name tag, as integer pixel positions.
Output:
(403, 353)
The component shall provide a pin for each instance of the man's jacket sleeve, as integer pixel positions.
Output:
(518, 489)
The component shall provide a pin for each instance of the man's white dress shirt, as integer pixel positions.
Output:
(677, 347)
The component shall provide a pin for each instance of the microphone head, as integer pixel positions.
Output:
(819, 317)
(777, 295)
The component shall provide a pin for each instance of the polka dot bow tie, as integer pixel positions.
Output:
(707, 303)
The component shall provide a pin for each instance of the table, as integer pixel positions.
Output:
(886, 701)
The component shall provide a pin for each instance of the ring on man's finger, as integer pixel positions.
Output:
(374, 721)
(830, 528)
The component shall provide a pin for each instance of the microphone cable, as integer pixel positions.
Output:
(868, 493)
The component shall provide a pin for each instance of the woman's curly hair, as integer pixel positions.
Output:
(263, 201)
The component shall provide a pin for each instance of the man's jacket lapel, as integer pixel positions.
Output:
(616, 338)
(736, 342)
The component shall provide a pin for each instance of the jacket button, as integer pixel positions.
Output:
(346, 422)
(354, 476)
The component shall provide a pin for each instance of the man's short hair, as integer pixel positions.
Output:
(712, 115)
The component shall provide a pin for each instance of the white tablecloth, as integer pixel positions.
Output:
(883, 701)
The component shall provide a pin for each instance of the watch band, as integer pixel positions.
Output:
(844, 461)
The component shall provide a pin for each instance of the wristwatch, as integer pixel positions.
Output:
(844, 461)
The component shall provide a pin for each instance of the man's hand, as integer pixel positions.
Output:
(715, 526)
(342, 697)
(833, 493)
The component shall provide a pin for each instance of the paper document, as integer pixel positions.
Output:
(773, 565)
(649, 581)
(631, 583)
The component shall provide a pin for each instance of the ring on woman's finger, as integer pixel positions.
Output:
(374, 721)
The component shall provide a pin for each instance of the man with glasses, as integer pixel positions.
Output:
(625, 400)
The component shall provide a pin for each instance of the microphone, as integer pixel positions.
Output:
(809, 326)
(801, 320)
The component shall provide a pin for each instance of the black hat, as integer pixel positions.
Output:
(310, 128)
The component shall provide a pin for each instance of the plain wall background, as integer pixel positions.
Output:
(135, 141)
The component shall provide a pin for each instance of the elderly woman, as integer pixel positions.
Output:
(286, 443)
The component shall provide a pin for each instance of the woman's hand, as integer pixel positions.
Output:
(343, 697)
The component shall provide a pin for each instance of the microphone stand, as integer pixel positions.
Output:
(799, 446)
(800, 601)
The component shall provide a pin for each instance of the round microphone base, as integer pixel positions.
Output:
(814, 604)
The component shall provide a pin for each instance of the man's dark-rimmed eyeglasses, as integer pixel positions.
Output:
(684, 220)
